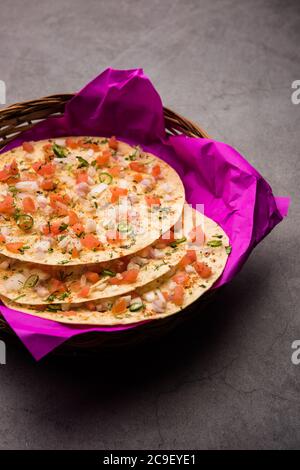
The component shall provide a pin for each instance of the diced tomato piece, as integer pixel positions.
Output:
(82, 177)
(166, 295)
(84, 292)
(13, 168)
(28, 205)
(178, 295)
(57, 286)
(92, 276)
(7, 205)
(73, 218)
(2, 238)
(46, 229)
(165, 239)
(74, 253)
(137, 178)
(181, 278)
(139, 167)
(188, 258)
(91, 242)
(130, 276)
(119, 306)
(114, 171)
(152, 201)
(56, 228)
(203, 270)
(103, 159)
(115, 281)
(197, 235)
(113, 143)
(48, 151)
(116, 193)
(14, 247)
(4, 174)
(71, 143)
(44, 169)
(156, 170)
(48, 184)
(78, 228)
(28, 147)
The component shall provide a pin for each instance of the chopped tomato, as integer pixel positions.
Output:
(44, 169)
(13, 168)
(2, 238)
(56, 228)
(28, 205)
(92, 276)
(139, 167)
(181, 278)
(74, 253)
(103, 159)
(7, 205)
(28, 147)
(84, 292)
(119, 306)
(178, 295)
(48, 184)
(14, 247)
(73, 218)
(152, 201)
(130, 275)
(46, 229)
(114, 171)
(91, 242)
(78, 228)
(165, 239)
(48, 151)
(82, 177)
(127, 277)
(156, 171)
(59, 202)
(137, 178)
(113, 143)
(188, 258)
(203, 270)
(57, 286)
(4, 174)
(197, 235)
(116, 193)
(71, 143)
(166, 295)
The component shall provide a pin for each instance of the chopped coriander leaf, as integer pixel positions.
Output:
(228, 249)
(63, 227)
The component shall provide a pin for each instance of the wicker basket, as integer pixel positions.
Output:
(20, 117)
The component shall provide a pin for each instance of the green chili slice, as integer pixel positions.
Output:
(31, 281)
(25, 222)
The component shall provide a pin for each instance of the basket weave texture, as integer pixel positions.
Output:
(20, 117)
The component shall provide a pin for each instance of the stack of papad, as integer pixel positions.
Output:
(92, 231)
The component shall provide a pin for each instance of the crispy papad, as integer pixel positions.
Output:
(80, 200)
(195, 274)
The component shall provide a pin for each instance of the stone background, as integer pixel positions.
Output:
(227, 380)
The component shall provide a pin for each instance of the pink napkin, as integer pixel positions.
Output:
(124, 103)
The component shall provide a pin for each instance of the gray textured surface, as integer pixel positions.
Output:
(228, 381)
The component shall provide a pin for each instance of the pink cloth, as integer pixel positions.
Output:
(124, 103)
